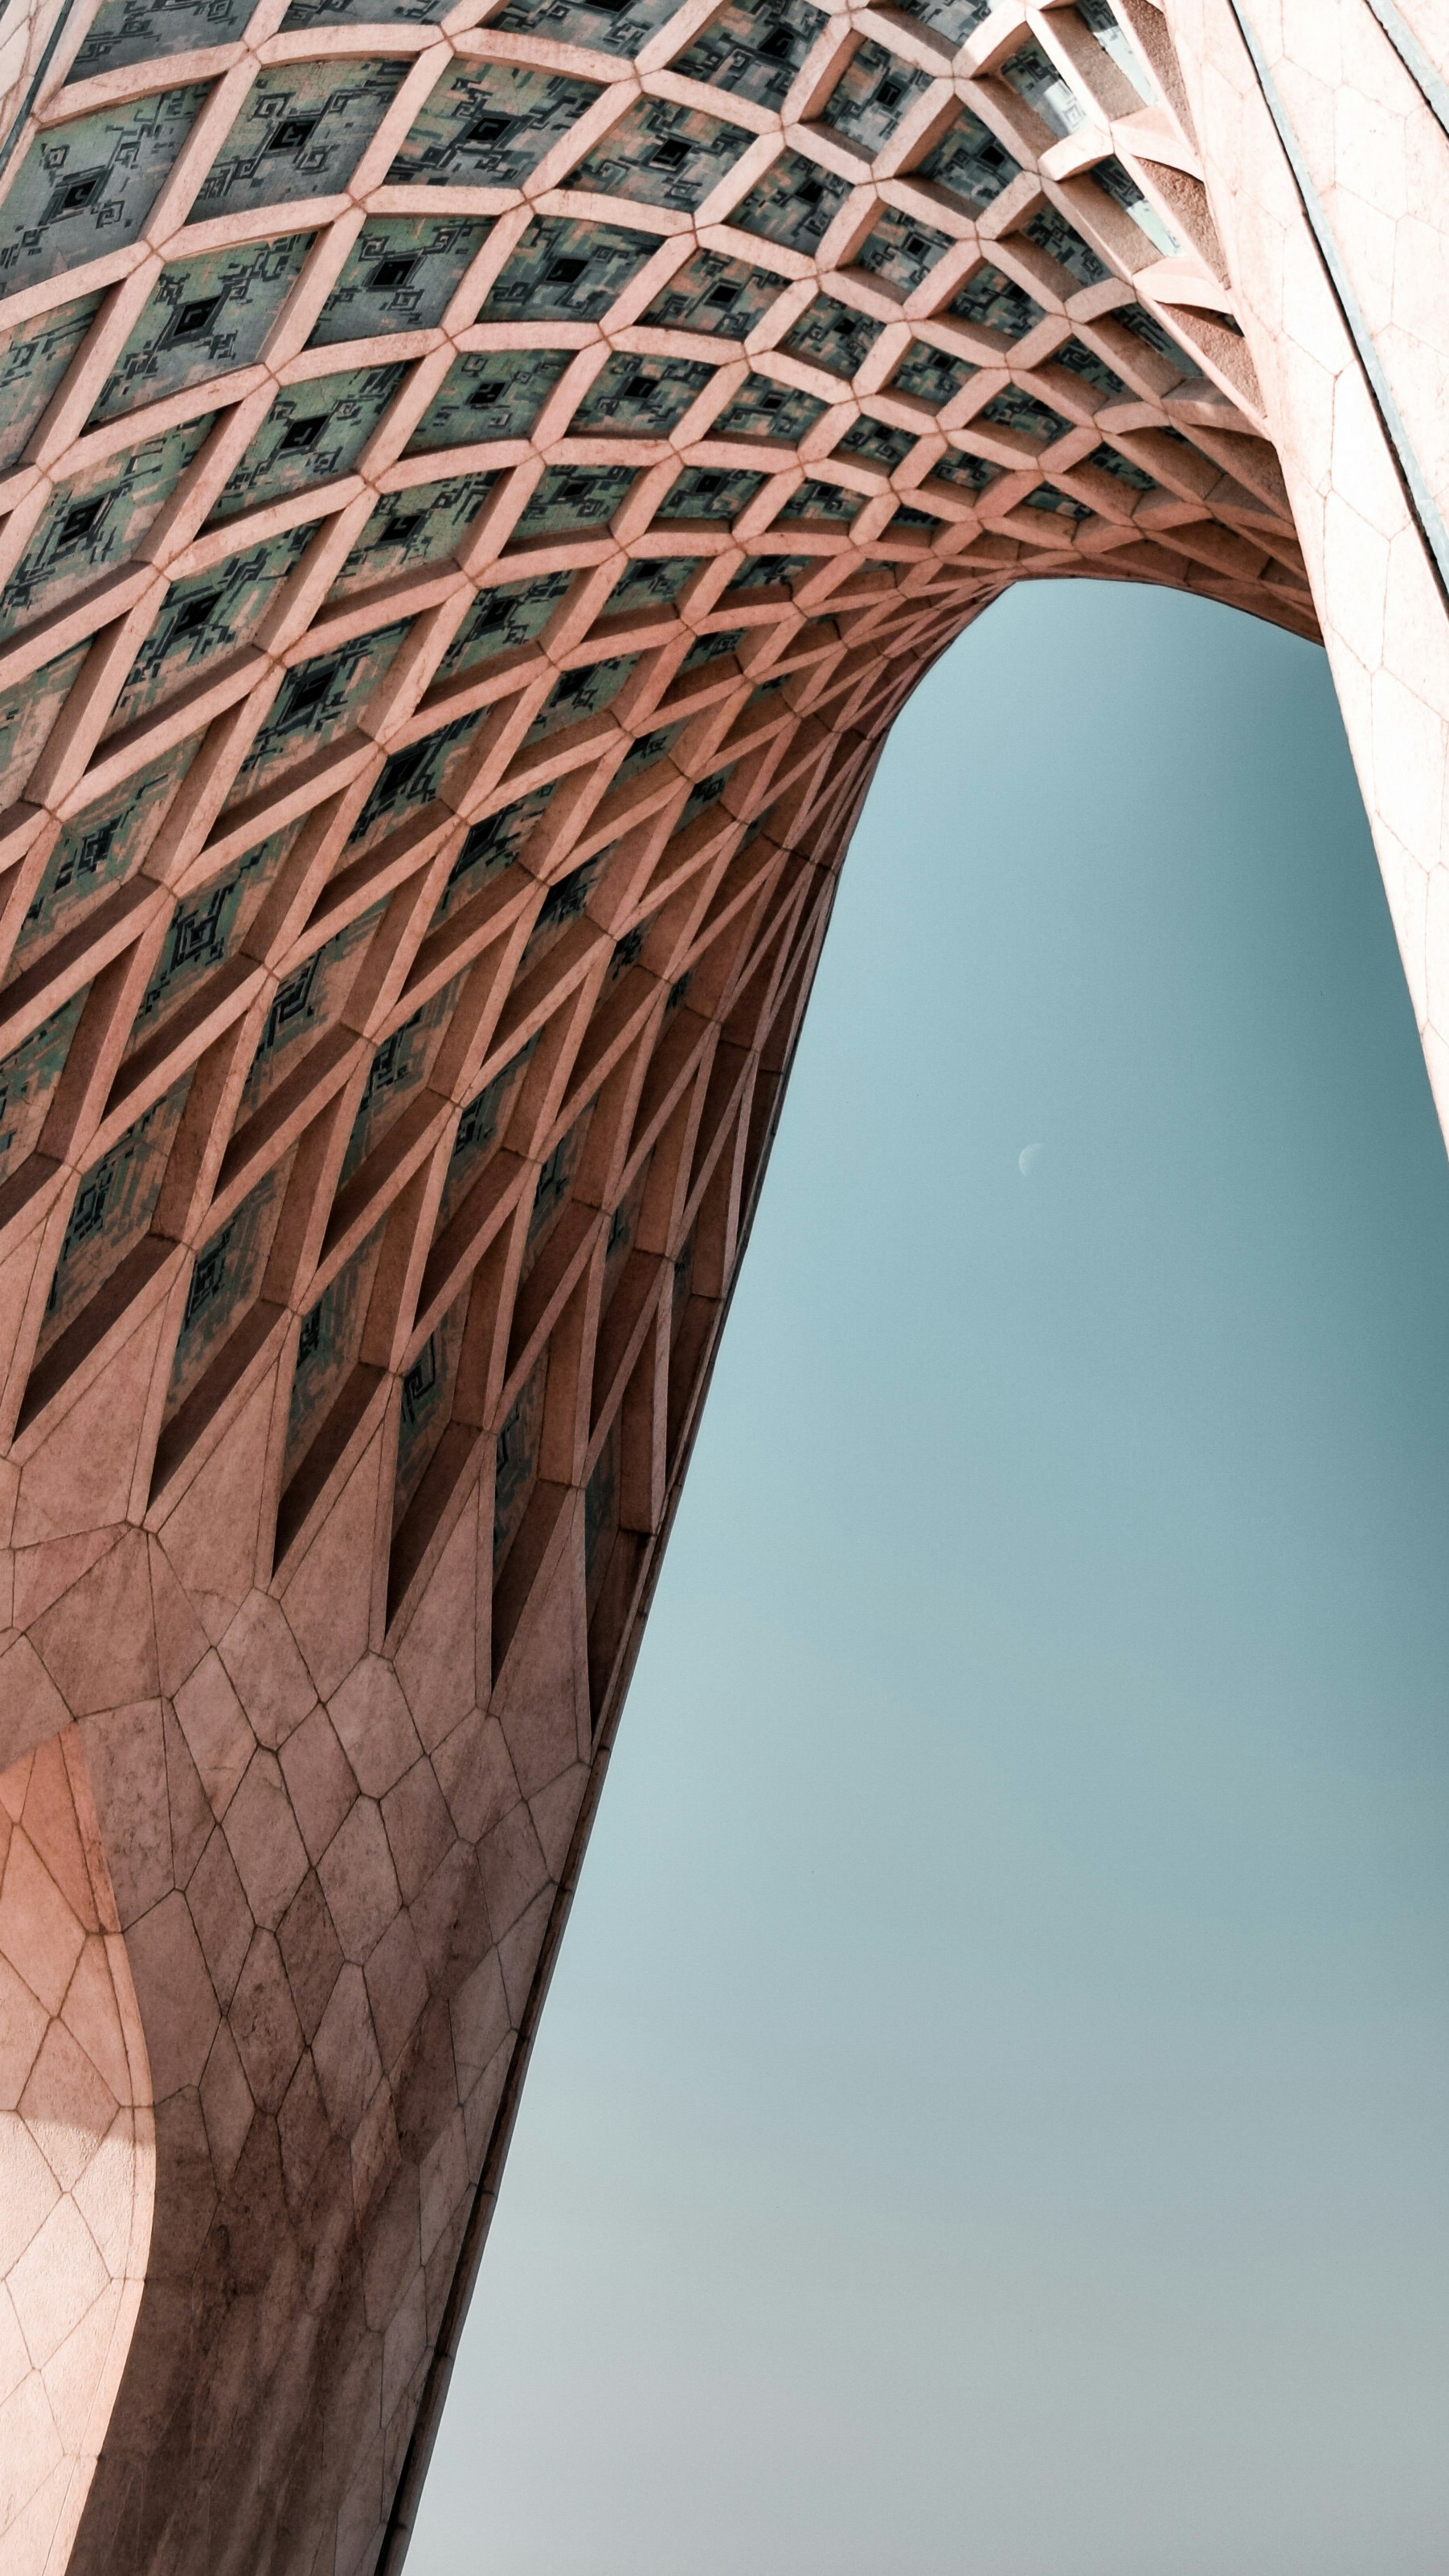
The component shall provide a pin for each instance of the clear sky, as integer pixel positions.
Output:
(992, 2114)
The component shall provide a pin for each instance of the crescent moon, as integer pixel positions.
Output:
(1028, 1159)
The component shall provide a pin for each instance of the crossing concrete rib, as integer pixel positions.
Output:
(476, 485)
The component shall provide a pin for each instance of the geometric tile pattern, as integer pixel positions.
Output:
(475, 487)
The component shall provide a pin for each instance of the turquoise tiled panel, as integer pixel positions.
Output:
(97, 519)
(487, 125)
(312, 433)
(400, 275)
(300, 133)
(204, 316)
(88, 187)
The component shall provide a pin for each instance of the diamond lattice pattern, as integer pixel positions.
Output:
(477, 486)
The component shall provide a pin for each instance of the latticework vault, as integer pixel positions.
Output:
(475, 486)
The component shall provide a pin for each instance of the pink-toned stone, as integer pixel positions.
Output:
(217, 1729)
(37, 1926)
(418, 1826)
(66, 2105)
(92, 2016)
(126, 1760)
(226, 2104)
(345, 2054)
(358, 1880)
(374, 1726)
(224, 1921)
(269, 1676)
(97, 1641)
(264, 2023)
(320, 1780)
(179, 2004)
(31, 1708)
(262, 1836)
(23, 2025)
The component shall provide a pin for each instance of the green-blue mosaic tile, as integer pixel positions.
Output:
(400, 275)
(566, 271)
(663, 153)
(301, 132)
(208, 614)
(312, 433)
(226, 1278)
(795, 203)
(487, 125)
(28, 1079)
(714, 293)
(112, 1209)
(754, 48)
(871, 97)
(87, 187)
(640, 395)
(970, 162)
(92, 522)
(204, 316)
(34, 361)
(489, 393)
(143, 31)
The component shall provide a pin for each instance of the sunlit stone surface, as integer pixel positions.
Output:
(475, 486)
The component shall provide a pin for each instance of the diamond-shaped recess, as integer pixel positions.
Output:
(476, 488)
(351, 616)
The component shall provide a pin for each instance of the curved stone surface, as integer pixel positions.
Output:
(475, 485)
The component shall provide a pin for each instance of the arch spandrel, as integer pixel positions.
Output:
(477, 485)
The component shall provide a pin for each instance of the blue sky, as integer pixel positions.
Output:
(991, 2115)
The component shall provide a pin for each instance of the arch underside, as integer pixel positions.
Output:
(475, 488)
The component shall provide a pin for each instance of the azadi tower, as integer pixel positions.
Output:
(476, 483)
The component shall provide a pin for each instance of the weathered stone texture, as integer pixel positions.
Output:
(475, 486)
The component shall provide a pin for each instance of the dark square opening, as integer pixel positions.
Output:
(301, 435)
(195, 318)
(193, 616)
(291, 132)
(80, 521)
(74, 195)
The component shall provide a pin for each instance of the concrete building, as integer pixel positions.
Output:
(476, 483)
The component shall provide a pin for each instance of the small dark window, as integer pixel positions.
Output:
(95, 849)
(395, 270)
(487, 129)
(194, 615)
(74, 195)
(309, 690)
(889, 94)
(494, 389)
(301, 435)
(400, 527)
(723, 298)
(81, 521)
(195, 318)
(399, 772)
(567, 272)
(778, 47)
(291, 132)
(290, 1002)
(670, 154)
(420, 1381)
(208, 1278)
